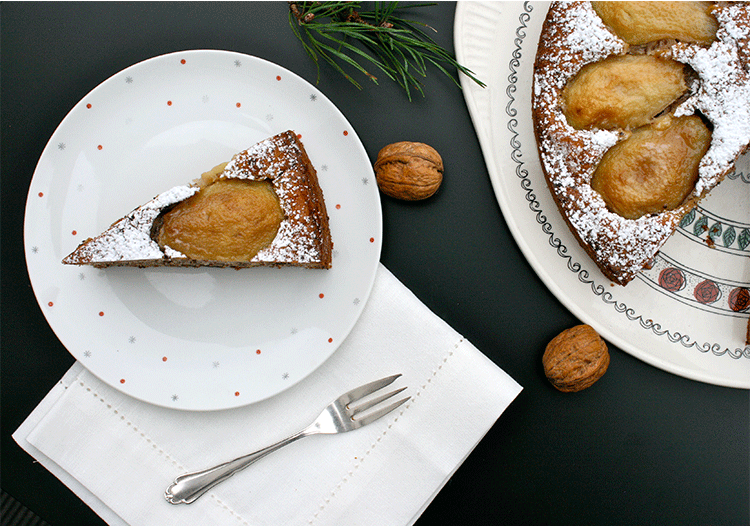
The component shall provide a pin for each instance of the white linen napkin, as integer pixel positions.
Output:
(119, 454)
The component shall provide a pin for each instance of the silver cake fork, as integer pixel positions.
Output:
(342, 415)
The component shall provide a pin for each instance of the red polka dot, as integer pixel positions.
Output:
(164, 359)
(238, 104)
(41, 194)
(99, 147)
(74, 233)
(182, 61)
(338, 207)
(50, 304)
(321, 295)
(88, 106)
(236, 393)
(372, 240)
(330, 340)
(101, 313)
(122, 380)
(278, 77)
(169, 103)
(346, 133)
(257, 351)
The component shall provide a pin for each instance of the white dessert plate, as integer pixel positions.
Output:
(689, 313)
(197, 339)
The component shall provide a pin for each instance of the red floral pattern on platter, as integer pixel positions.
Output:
(706, 292)
(739, 299)
(672, 279)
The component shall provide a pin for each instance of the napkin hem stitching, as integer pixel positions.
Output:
(406, 406)
(166, 456)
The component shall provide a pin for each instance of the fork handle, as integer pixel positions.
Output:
(188, 487)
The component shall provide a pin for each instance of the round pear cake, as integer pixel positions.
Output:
(640, 109)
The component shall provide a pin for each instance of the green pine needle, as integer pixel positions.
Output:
(339, 34)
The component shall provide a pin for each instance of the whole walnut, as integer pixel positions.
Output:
(575, 359)
(409, 170)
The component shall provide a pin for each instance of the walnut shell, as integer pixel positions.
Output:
(575, 359)
(409, 170)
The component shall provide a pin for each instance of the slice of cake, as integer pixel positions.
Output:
(640, 109)
(264, 207)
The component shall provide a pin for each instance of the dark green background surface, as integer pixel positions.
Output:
(640, 447)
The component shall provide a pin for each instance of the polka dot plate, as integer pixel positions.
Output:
(196, 339)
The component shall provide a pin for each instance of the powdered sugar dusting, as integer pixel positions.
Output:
(723, 95)
(130, 238)
(733, 23)
(573, 36)
(278, 160)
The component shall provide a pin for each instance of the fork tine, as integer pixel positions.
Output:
(372, 403)
(364, 390)
(368, 419)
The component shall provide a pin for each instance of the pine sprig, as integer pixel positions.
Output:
(380, 40)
